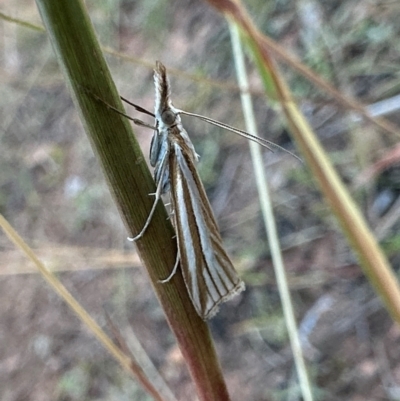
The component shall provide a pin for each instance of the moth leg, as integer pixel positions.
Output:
(158, 193)
(171, 214)
(172, 217)
(149, 218)
(174, 270)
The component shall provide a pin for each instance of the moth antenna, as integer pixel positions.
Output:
(135, 120)
(140, 123)
(261, 141)
(138, 108)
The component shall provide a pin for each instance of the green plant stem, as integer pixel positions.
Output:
(268, 215)
(87, 75)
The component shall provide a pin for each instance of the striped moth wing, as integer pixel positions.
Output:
(207, 269)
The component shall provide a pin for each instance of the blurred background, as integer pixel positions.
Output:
(54, 194)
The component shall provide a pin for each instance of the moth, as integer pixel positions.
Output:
(206, 267)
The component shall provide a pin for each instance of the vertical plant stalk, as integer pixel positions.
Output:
(268, 215)
(86, 73)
